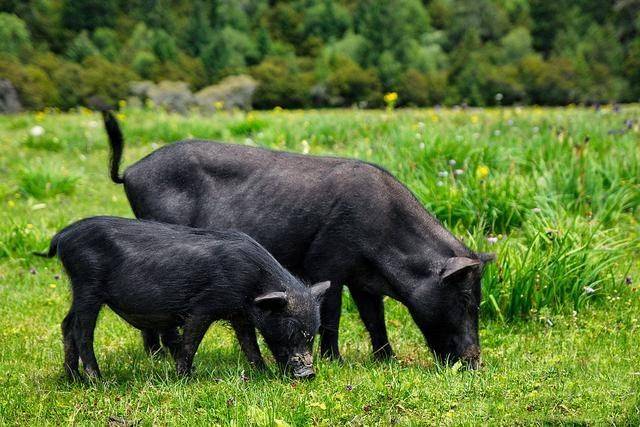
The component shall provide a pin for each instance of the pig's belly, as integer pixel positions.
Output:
(149, 320)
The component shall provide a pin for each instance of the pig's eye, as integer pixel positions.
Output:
(297, 326)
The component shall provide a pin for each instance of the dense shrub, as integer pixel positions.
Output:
(275, 90)
(418, 89)
(172, 96)
(108, 81)
(230, 92)
(35, 88)
(350, 84)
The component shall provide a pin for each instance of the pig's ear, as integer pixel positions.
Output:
(456, 266)
(271, 301)
(486, 257)
(318, 290)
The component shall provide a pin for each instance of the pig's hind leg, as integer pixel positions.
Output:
(151, 341)
(173, 341)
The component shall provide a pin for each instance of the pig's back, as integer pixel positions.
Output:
(280, 199)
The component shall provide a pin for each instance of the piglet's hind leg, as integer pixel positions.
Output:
(71, 354)
(85, 325)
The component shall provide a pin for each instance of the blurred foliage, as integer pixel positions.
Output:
(329, 52)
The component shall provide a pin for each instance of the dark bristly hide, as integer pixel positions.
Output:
(338, 219)
(161, 277)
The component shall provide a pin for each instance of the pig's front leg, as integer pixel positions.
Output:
(371, 309)
(193, 331)
(246, 334)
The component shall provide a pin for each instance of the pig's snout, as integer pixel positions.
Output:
(301, 366)
(471, 357)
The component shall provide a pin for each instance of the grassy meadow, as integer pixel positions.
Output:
(555, 192)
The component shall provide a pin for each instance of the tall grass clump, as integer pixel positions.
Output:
(18, 240)
(555, 268)
(42, 184)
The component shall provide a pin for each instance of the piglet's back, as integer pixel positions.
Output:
(112, 248)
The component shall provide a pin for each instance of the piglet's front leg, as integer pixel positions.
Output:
(246, 334)
(193, 331)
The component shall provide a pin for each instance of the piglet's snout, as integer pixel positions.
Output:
(301, 366)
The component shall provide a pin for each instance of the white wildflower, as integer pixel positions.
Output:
(36, 131)
(305, 146)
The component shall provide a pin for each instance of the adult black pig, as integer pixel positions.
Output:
(163, 276)
(345, 220)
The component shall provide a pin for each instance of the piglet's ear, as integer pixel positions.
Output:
(318, 290)
(271, 301)
(486, 257)
(456, 266)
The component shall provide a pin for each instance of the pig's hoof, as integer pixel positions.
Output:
(185, 371)
(384, 353)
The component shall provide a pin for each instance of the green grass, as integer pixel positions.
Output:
(552, 191)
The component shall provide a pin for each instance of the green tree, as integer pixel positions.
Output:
(81, 47)
(14, 36)
(106, 41)
(198, 31)
(228, 51)
(326, 20)
(80, 15)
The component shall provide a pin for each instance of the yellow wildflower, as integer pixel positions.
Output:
(218, 105)
(482, 172)
(122, 103)
(390, 97)
(474, 119)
